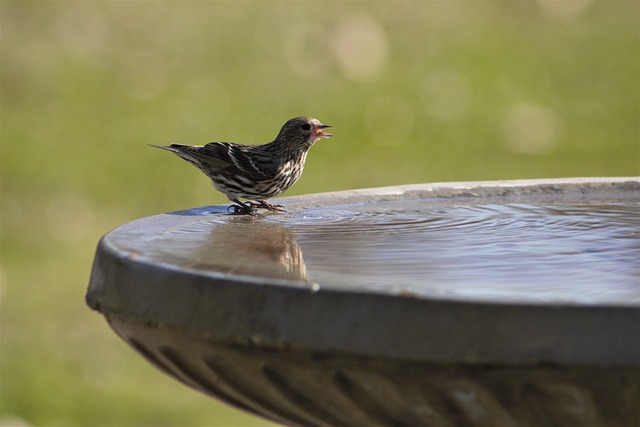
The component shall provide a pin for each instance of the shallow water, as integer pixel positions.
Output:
(574, 254)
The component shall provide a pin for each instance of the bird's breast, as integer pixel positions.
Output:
(293, 167)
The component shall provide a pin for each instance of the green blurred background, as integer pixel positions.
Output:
(417, 92)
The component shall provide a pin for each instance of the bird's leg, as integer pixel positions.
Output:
(264, 204)
(241, 208)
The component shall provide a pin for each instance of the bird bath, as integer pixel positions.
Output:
(483, 304)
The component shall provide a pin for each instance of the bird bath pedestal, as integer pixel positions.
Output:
(483, 304)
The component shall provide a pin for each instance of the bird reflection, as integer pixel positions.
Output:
(249, 247)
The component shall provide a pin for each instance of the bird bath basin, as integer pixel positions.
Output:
(482, 304)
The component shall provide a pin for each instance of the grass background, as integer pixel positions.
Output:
(417, 92)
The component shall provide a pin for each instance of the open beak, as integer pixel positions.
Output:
(319, 133)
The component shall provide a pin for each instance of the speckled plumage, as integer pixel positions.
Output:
(255, 172)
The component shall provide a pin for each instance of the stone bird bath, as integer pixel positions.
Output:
(511, 303)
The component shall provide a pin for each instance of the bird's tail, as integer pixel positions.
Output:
(174, 148)
(189, 153)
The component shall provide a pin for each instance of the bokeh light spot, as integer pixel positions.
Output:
(530, 128)
(565, 9)
(361, 47)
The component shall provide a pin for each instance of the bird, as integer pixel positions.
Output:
(255, 172)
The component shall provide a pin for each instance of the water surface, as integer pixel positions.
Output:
(574, 254)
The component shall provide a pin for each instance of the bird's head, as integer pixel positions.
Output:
(302, 131)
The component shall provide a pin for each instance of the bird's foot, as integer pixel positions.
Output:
(241, 209)
(264, 204)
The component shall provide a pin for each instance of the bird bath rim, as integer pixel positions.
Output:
(280, 313)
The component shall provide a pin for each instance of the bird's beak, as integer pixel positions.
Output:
(318, 132)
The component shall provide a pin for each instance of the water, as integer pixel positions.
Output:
(570, 254)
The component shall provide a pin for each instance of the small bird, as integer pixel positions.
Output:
(255, 172)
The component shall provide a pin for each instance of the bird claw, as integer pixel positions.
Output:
(241, 210)
(264, 204)
(250, 208)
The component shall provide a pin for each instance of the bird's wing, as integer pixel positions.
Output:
(250, 161)
(247, 160)
(208, 155)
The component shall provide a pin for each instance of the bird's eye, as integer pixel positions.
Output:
(306, 126)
